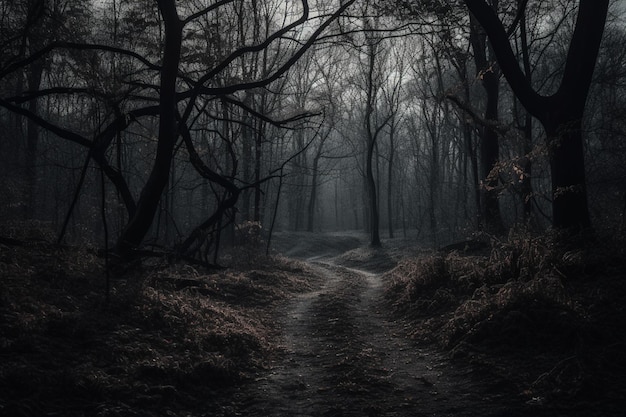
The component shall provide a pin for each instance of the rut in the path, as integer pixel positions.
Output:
(344, 356)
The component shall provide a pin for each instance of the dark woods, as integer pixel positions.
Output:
(460, 166)
(182, 127)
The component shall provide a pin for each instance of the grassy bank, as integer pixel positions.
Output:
(547, 316)
(170, 341)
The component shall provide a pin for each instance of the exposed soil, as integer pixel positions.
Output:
(343, 355)
(346, 351)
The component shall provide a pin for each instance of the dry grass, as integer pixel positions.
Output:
(561, 304)
(169, 339)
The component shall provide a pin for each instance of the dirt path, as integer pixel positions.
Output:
(344, 356)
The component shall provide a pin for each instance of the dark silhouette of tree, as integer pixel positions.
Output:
(160, 76)
(489, 74)
(445, 20)
(27, 26)
(372, 132)
(560, 113)
(140, 222)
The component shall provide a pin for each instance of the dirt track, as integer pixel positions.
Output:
(343, 355)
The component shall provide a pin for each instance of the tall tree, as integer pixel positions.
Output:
(140, 223)
(489, 74)
(372, 131)
(374, 58)
(560, 113)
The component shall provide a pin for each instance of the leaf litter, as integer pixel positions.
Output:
(524, 327)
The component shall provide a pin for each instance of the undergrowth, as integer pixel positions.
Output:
(169, 339)
(532, 301)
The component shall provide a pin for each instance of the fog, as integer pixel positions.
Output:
(358, 116)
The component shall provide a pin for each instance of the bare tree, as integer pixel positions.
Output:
(560, 113)
(489, 74)
(177, 91)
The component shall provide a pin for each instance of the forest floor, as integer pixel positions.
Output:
(344, 354)
(332, 328)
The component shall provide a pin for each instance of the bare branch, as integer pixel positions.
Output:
(206, 10)
(490, 124)
(57, 130)
(201, 89)
(265, 118)
(79, 47)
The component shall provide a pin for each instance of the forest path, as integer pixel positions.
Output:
(344, 355)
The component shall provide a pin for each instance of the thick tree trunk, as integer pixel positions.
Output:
(567, 167)
(561, 114)
(490, 153)
(139, 225)
(489, 144)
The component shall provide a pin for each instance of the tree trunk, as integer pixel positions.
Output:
(527, 189)
(433, 185)
(312, 196)
(390, 180)
(527, 168)
(373, 201)
(338, 219)
(140, 223)
(370, 182)
(32, 139)
(489, 155)
(470, 153)
(355, 212)
(489, 145)
(257, 169)
(567, 167)
(314, 180)
(561, 113)
(246, 160)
